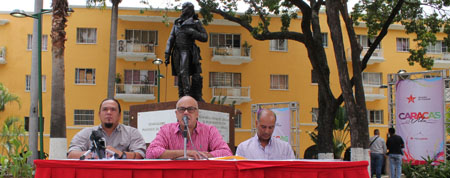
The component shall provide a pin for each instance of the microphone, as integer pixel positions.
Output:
(185, 121)
(98, 143)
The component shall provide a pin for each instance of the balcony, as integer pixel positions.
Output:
(441, 60)
(373, 92)
(135, 51)
(377, 55)
(2, 55)
(135, 92)
(231, 56)
(236, 95)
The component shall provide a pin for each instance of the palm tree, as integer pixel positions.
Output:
(112, 42)
(6, 97)
(58, 138)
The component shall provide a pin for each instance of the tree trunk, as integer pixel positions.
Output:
(58, 141)
(112, 49)
(34, 93)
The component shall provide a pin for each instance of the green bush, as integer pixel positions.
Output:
(13, 141)
(428, 170)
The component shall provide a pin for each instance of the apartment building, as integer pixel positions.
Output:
(269, 72)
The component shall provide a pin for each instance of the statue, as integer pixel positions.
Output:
(185, 53)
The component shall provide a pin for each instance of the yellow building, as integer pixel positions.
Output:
(273, 71)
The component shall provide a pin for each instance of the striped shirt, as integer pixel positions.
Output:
(205, 138)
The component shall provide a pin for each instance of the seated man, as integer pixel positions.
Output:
(123, 140)
(169, 142)
(262, 145)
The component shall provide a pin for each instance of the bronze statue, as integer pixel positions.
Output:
(185, 53)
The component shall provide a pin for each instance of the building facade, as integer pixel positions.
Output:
(267, 72)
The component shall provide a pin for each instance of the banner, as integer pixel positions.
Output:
(420, 118)
(283, 125)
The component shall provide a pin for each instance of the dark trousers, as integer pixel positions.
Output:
(376, 163)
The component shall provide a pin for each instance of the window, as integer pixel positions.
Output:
(28, 83)
(314, 77)
(224, 79)
(375, 116)
(371, 78)
(314, 114)
(142, 36)
(365, 41)
(84, 76)
(86, 35)
(439, 47)
(140, 77)
(83, 117)
(43, 42)
(126, 118)
(238, 120)
(325, 39)
(225, 40)
(279, 82)
(279, 45)
(403, 44)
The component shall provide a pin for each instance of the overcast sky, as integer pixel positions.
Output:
(28, 5)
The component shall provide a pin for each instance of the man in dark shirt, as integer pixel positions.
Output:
(395, 145)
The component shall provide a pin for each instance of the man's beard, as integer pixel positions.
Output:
(109, 125)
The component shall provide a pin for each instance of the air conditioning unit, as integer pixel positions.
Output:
(122, 45)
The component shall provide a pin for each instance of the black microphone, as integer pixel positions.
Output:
(185, 120)
(98, 142)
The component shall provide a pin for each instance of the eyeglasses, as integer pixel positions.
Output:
(189, 109)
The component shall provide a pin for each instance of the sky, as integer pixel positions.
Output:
(28, 5)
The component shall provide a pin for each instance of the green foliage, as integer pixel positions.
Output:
(340, 133)
(6, 97)
(447, 118)
(118, 78)
(15, 149)
(427, 170)
(422, 18)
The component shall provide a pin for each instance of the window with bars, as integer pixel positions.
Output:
(375, 116)
(28, 83)
(142, 36)
(44, 42)
(402, 44)
(314, 77)
(84, 76)
(325, 39)
(126, 118)
(140, 77)
(224, 40)
(238, 120)
(83, 117)
(314, 114)
(224, 79)
(279, 45)
(86, 35)
(279, 82)
(439, 47)
(372, 78)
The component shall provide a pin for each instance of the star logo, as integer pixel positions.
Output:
(411, 98)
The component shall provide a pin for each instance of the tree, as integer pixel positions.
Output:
(112, 42)
(377, 15)
(58, 140)
(6, 97)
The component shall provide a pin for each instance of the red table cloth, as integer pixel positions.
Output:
(199, 169)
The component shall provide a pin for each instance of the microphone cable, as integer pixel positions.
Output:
(195, 147)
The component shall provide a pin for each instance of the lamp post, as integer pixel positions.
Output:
(38, 16)
(158, 62)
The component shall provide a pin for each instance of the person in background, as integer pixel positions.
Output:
(395, 145)
(263, 145)
(377, 152)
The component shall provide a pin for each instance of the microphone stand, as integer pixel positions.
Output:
(185, 141)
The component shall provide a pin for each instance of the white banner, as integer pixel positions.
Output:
(283, 125)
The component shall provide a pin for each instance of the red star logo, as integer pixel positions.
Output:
(411, 98)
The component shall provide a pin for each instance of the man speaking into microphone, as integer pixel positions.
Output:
(125, 141)
(206, 139)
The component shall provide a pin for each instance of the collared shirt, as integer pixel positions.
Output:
(276, 149)
(378, 146)
(205, 138)
(123, 138)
